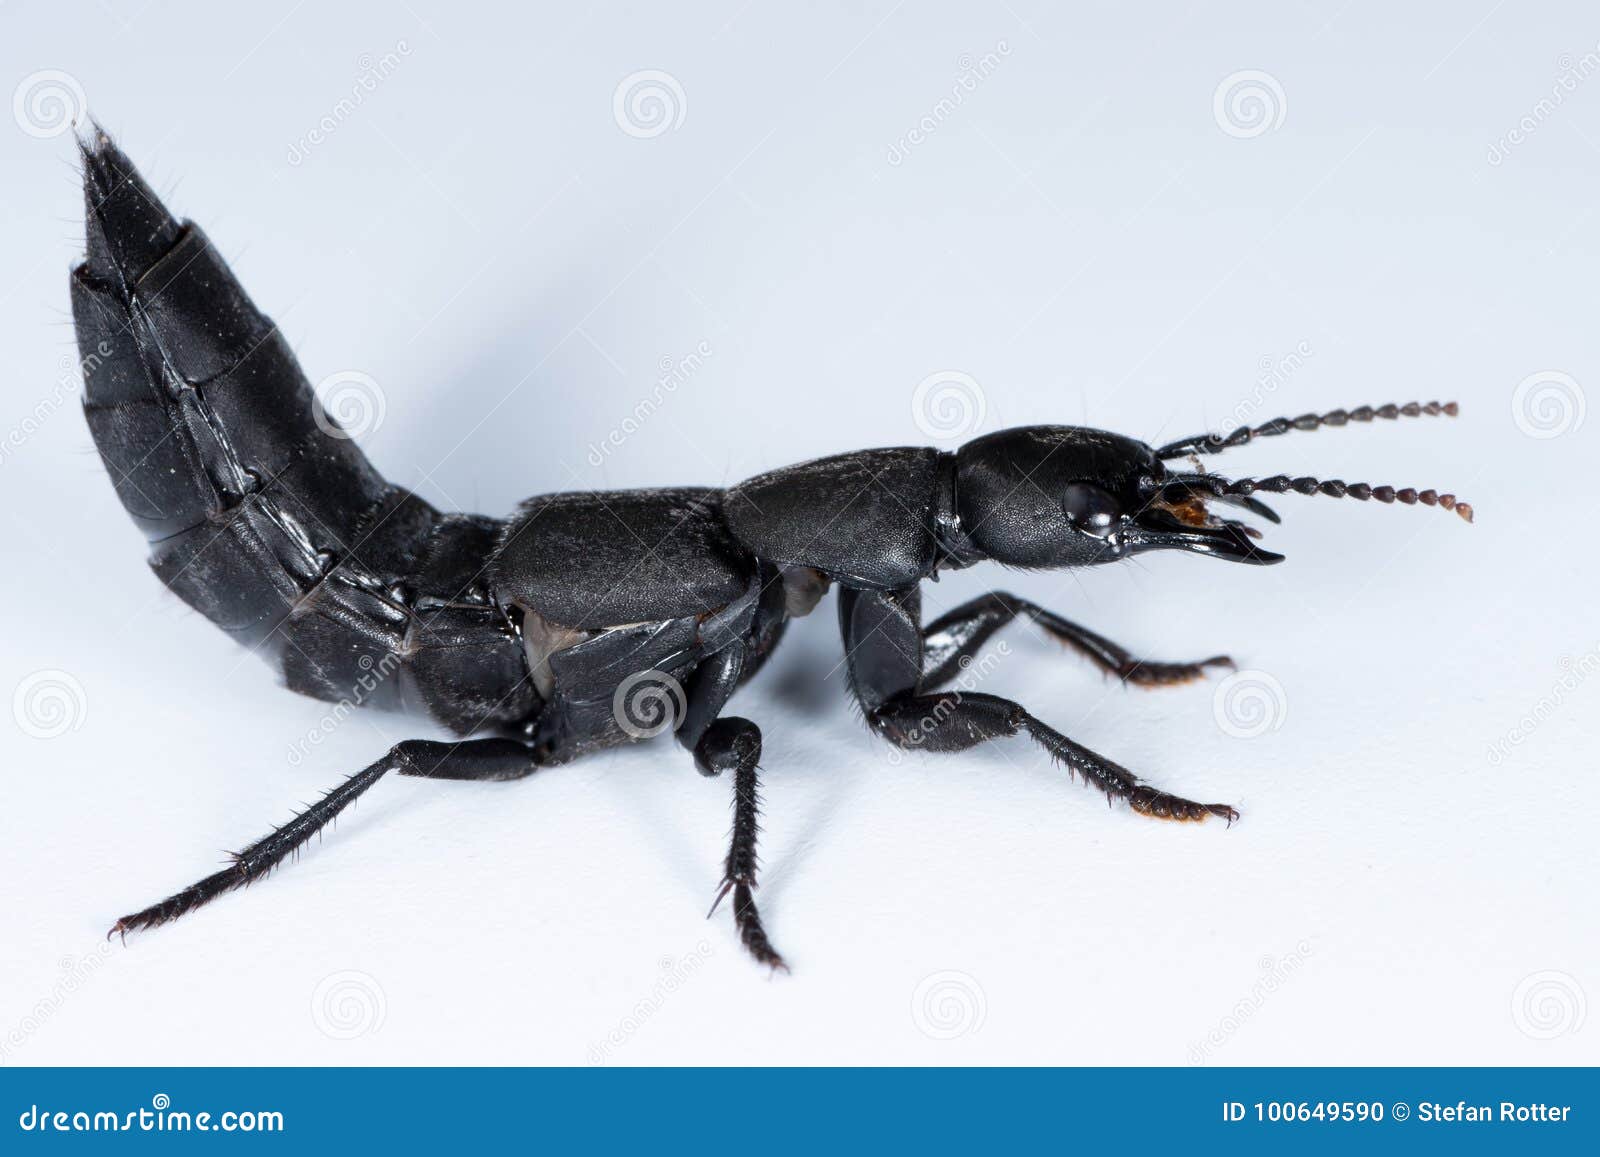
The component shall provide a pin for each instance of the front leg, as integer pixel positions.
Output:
(883, 642)
(953, 639)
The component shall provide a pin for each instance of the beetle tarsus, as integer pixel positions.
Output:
(1148, 673)
(752, 934)
(1149, 801)
(1119, 783)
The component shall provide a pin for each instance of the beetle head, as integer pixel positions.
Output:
(1054, 496)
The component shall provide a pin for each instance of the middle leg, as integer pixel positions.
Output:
(730, 744)
(952, 640)
(734, 744)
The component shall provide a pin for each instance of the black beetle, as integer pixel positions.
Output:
(586, 620)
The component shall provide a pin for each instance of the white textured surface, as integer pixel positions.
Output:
(1080, 236)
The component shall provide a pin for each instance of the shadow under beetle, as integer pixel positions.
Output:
(586, 620)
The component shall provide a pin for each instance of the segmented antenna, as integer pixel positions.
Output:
(1216, 443)
(1333, 488)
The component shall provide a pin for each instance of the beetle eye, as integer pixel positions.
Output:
(1090, 509)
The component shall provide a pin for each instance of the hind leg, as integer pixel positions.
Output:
(480, 759)
(951, 641)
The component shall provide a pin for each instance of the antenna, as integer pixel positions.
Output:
(1333, 488)
(1216, 443)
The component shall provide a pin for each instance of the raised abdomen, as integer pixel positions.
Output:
(260, 512)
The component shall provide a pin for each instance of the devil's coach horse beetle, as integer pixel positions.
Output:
(541, 633)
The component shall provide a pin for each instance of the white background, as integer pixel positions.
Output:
(1092, 241)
